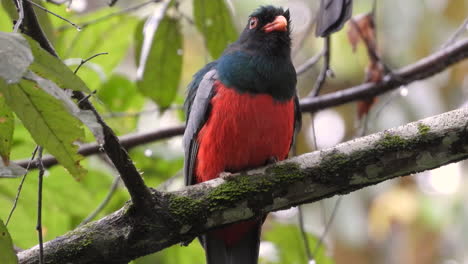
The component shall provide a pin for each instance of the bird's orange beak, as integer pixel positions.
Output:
(279, 24)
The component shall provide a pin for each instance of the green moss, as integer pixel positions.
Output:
(237, 188)
(230, 191)
(390, 141)
(423, 129)
(336, 167)
(184, 208)
(286, 173)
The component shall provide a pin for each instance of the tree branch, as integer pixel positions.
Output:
(419, 70)
(180, 216)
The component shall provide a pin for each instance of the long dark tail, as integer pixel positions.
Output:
(243, 252)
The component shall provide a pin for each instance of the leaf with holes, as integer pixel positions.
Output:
(7, 252)
(48, 122)
(161, 66)
(214, 20)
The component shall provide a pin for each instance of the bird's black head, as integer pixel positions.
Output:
(260, 60)
(267, 31)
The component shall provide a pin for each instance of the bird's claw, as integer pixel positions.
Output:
(271, 160)
(227, 176)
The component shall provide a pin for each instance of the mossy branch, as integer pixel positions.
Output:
(180, 216)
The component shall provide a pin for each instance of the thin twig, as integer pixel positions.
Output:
(325, 69)
(104, 202)
(308, 64)
(463, 27)
(140, 113)
(39, 205)
(19, 6)
(327, 227)
(123, 11)
(87, 97)
(56, 2)
(20, 187)
(54, 14)
(304, 234)
(88, 59)
(127, 141)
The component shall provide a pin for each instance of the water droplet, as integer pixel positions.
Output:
(403, 91)
(180, 52)
(208, 22)
(148, 152)
(9, 81)
(101, 148)
(78, 28)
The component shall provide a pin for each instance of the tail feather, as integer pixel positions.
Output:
(244, 251)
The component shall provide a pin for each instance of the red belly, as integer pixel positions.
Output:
(243, 131)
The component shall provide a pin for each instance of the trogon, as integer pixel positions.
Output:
(242, 112)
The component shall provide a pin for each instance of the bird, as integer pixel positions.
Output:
(242, 112)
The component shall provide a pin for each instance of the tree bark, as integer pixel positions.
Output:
(180, 216)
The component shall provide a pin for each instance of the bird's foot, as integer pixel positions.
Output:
(271, 160)
(227, 176)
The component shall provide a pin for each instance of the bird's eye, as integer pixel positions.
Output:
(253, 22)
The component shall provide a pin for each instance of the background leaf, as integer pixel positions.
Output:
(214, 20)
(7, 253)
(119, 94)
(288, 241)
(162, 67)
(48, 122)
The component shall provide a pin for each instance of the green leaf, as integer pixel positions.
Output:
(15, 57)
(119, 94)
(86, 116)
(48, 122)
(52, 68)
(7, 8)
(7, 126)
(191, 254)
(7, 252)
(214, 20)
(288, 241)
(161, 66)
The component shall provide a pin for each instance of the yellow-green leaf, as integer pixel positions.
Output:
(48, 122)
(214, 20)
(7, 252)
(7, 125)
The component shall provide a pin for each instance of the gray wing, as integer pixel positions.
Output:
(197, 114)
(332, 16)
